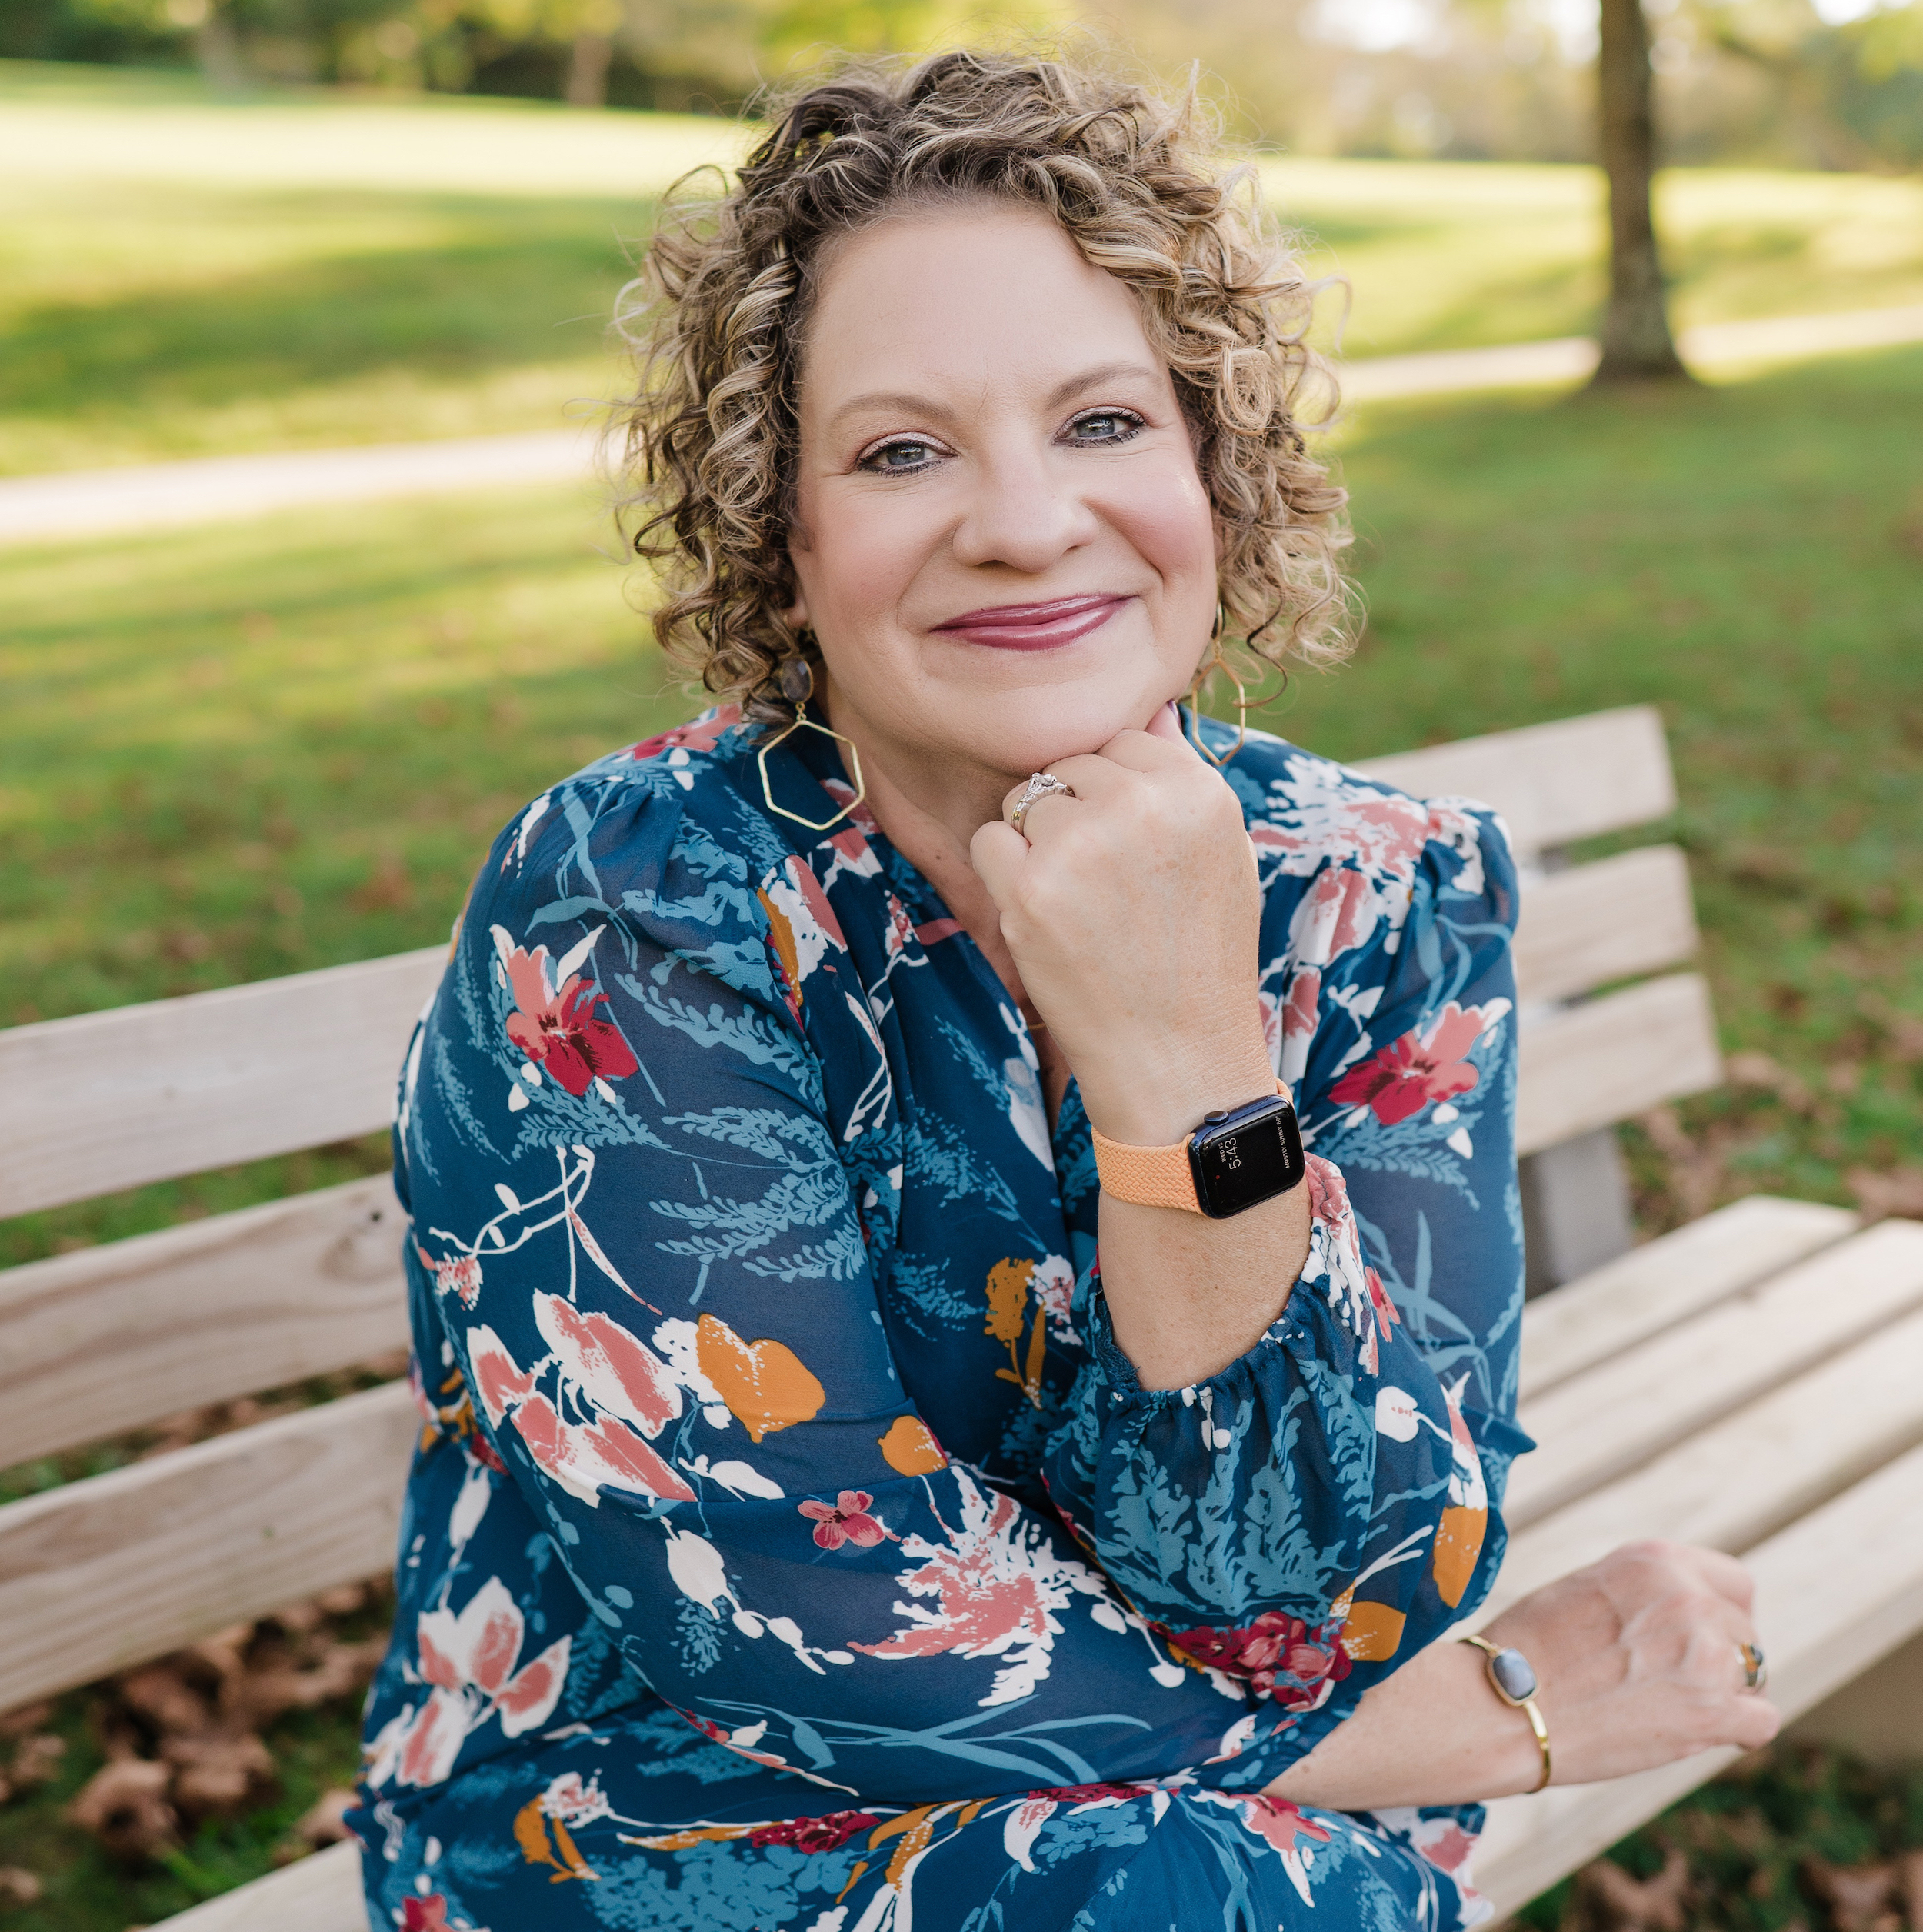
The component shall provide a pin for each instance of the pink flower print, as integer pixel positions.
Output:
(613, 1369)
(811, 1835)
(1383, 1309)
(469, 1662)
(459, 1275)
(1281, 1824)
(558, 1030)
(701, 735)
(845, 1520)
(1410, 1073)
(428, 1914)
(583, 1458)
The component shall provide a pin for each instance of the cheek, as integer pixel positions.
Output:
(1163, 511)
(861, 556)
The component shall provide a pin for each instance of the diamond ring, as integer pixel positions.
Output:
(1041, 783)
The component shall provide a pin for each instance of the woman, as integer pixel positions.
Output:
(808, 1530)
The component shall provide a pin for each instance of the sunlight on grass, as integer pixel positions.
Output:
(184, 273)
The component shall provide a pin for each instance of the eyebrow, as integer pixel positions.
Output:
(1059, 394)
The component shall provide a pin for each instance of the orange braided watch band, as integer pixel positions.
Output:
(1152, 1177)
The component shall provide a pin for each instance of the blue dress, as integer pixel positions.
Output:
(789, 1544)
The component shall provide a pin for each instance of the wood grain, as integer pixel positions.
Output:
(104, 1102)
(1834, 1592)
(1731, 1485)
(322, 1894)
(1616, 919)
(113, 1337)
(1617, 1416)
(1668, 1280)
(106, 1573)
(1612, 1058)
(1553, 783)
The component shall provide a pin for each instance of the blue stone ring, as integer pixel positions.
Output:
(1513, 1678)
(1755, 1671)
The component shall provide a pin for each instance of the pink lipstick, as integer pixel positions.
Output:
(1035, 627)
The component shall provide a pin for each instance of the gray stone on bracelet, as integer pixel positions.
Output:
(1515, 1676)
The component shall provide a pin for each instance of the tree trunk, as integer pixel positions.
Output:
(587, 70)
(1636, 342)
(217, 49)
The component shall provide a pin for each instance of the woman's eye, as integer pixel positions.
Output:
(897, 457)
(1104, 426)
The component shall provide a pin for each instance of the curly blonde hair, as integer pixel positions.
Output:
(719, 321)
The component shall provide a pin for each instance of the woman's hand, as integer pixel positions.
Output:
(1131, 911)
(1639, 1658)
(1639, 1661)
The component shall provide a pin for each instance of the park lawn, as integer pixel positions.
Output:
(182, 274)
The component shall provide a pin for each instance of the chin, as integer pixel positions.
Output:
(1025, 730)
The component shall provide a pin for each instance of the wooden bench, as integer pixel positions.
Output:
(1753, 1381)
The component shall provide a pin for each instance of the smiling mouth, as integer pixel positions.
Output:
(1035, 627)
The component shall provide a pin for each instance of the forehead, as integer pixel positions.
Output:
(977, 297)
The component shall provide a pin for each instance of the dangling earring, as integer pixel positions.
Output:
(1217, 663)
(795, 681)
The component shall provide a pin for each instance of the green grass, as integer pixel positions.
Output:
(184, 273)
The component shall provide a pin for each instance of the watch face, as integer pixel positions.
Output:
(1249, 1156)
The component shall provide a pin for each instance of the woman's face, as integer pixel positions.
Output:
(1002, 541)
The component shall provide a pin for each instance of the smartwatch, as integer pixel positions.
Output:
(1234, 1160)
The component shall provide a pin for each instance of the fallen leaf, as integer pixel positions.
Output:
(36, 1760)
(1900, 1191)
(18, 1886)
(1658, 1904)
(219, 1775)
(161, 1695)
(124, 1804)
(1857, 1896)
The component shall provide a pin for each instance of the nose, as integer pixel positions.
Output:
(1022, 512)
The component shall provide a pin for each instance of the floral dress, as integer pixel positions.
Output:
(789, 1544)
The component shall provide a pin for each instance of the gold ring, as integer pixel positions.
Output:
(1041, 783)
(1755, 1670)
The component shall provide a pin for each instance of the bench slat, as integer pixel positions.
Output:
(322, 1894)
(1734, 1484)
(1553, 783)
(1615, 919)
(1668, 1280)
(1615, 1058)
(109, 1572)
(1617, 1417)
(114, 1338)
(104, 1102)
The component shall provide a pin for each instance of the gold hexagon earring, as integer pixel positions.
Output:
(1217, 663)
(795, 681)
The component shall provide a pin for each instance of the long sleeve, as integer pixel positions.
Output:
(647, 1213)
(1325, 1507)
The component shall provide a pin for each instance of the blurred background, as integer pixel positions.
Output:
(241, 741)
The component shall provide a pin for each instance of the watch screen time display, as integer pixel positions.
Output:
(1250, 1157)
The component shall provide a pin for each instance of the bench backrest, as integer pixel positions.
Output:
(109, 1571)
